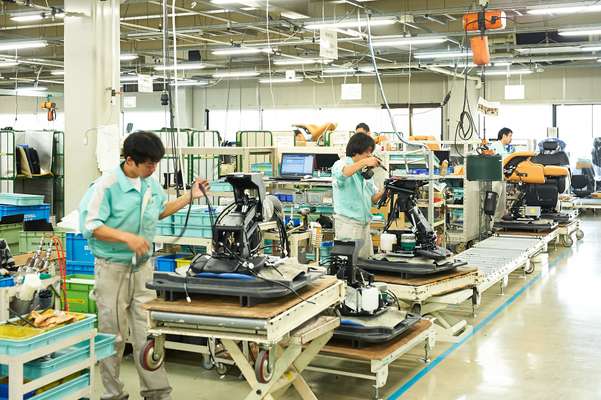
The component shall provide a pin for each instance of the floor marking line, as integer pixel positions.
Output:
(417, 377)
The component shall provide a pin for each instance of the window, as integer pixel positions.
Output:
(577, 126)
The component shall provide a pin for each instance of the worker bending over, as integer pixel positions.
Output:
(502, 147)
(353, 194)
(118, 216)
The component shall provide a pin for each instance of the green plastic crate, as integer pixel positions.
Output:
(79, 287)
(11, 233)
(29, 241)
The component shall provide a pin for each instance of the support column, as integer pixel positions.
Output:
(92, 71)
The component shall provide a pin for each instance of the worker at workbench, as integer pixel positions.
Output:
(502, 147)
(118, 216)
(353, 194)
(380, 175)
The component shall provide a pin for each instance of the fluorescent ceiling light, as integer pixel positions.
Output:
(241, 50)
(281, 80)
(444, 54)
(236, 74)
(549, 50)
(339, 71)
(580, 32)
(180, 67)
(301, 61)
(8, 64)
(350, 23)
(509, 72)
(577, 9)
(189, 82)
(57, 72)
(293, 15)
(27, 44)
(128, 57)
(406, 41)
(27, 17)
(33, 88)
(128, 78)
(591, 48)
(501, 63)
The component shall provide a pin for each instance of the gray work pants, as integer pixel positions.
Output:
(120, 293)
(350, 229)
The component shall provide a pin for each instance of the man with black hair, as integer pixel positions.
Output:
(362, 127)
(502, 147)
(353, 194)
(503, 144)
(118, 217)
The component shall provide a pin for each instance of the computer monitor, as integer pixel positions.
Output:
(297, 165)
(325, 161)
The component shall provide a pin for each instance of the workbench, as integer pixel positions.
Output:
(380, 357)
(289, 330)
(433, 294)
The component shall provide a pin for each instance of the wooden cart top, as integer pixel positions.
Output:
(378, 351)
(428, 279)
(230, 306)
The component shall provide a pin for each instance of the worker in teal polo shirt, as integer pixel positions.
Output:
(353, 194)
(503, 148)
(118, 216)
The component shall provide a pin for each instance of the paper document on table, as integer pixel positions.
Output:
(108, 147)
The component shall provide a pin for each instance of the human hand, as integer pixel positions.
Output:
(371, 162)
(137, 244)
(197, 193)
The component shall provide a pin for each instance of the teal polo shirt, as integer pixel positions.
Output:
(352, 194)
(113, 201)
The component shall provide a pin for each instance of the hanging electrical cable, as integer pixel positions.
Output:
(381, 88)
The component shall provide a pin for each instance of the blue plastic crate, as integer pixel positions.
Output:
(4, 392)
(194, 231)
(219, 186)
(80, 267)
(65, 389)
(78, 249)
(18, 199)
(199, 216)
(166, 263)
(13, 347)
(164, 229)
(30, 213)
(7, 282)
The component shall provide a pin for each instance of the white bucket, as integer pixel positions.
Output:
(387, 240)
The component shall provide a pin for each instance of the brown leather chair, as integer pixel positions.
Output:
(317, 131)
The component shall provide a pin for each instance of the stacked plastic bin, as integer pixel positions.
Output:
(199, 222)
(31, 206)
(79, 258)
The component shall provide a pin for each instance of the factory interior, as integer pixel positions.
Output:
(299, 199)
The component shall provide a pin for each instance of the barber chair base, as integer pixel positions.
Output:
(172, 286)
(351, 330)
(525, 224)
(412, 267)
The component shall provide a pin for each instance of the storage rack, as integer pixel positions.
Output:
(11, 181)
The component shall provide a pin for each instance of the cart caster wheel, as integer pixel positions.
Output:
(568, 241)
(529, 269)
(221, 368)
(206, 362)
(579, 234)
(416, 309)
(149, 359)
(263, 369)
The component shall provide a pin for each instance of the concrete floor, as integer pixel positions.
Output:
(541, 346)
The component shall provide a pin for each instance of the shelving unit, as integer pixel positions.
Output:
(50, 185)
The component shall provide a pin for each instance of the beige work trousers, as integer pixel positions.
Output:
(350, 229)
(120, 293)
(500, 188)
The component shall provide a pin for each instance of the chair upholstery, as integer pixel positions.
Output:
(317, 131)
